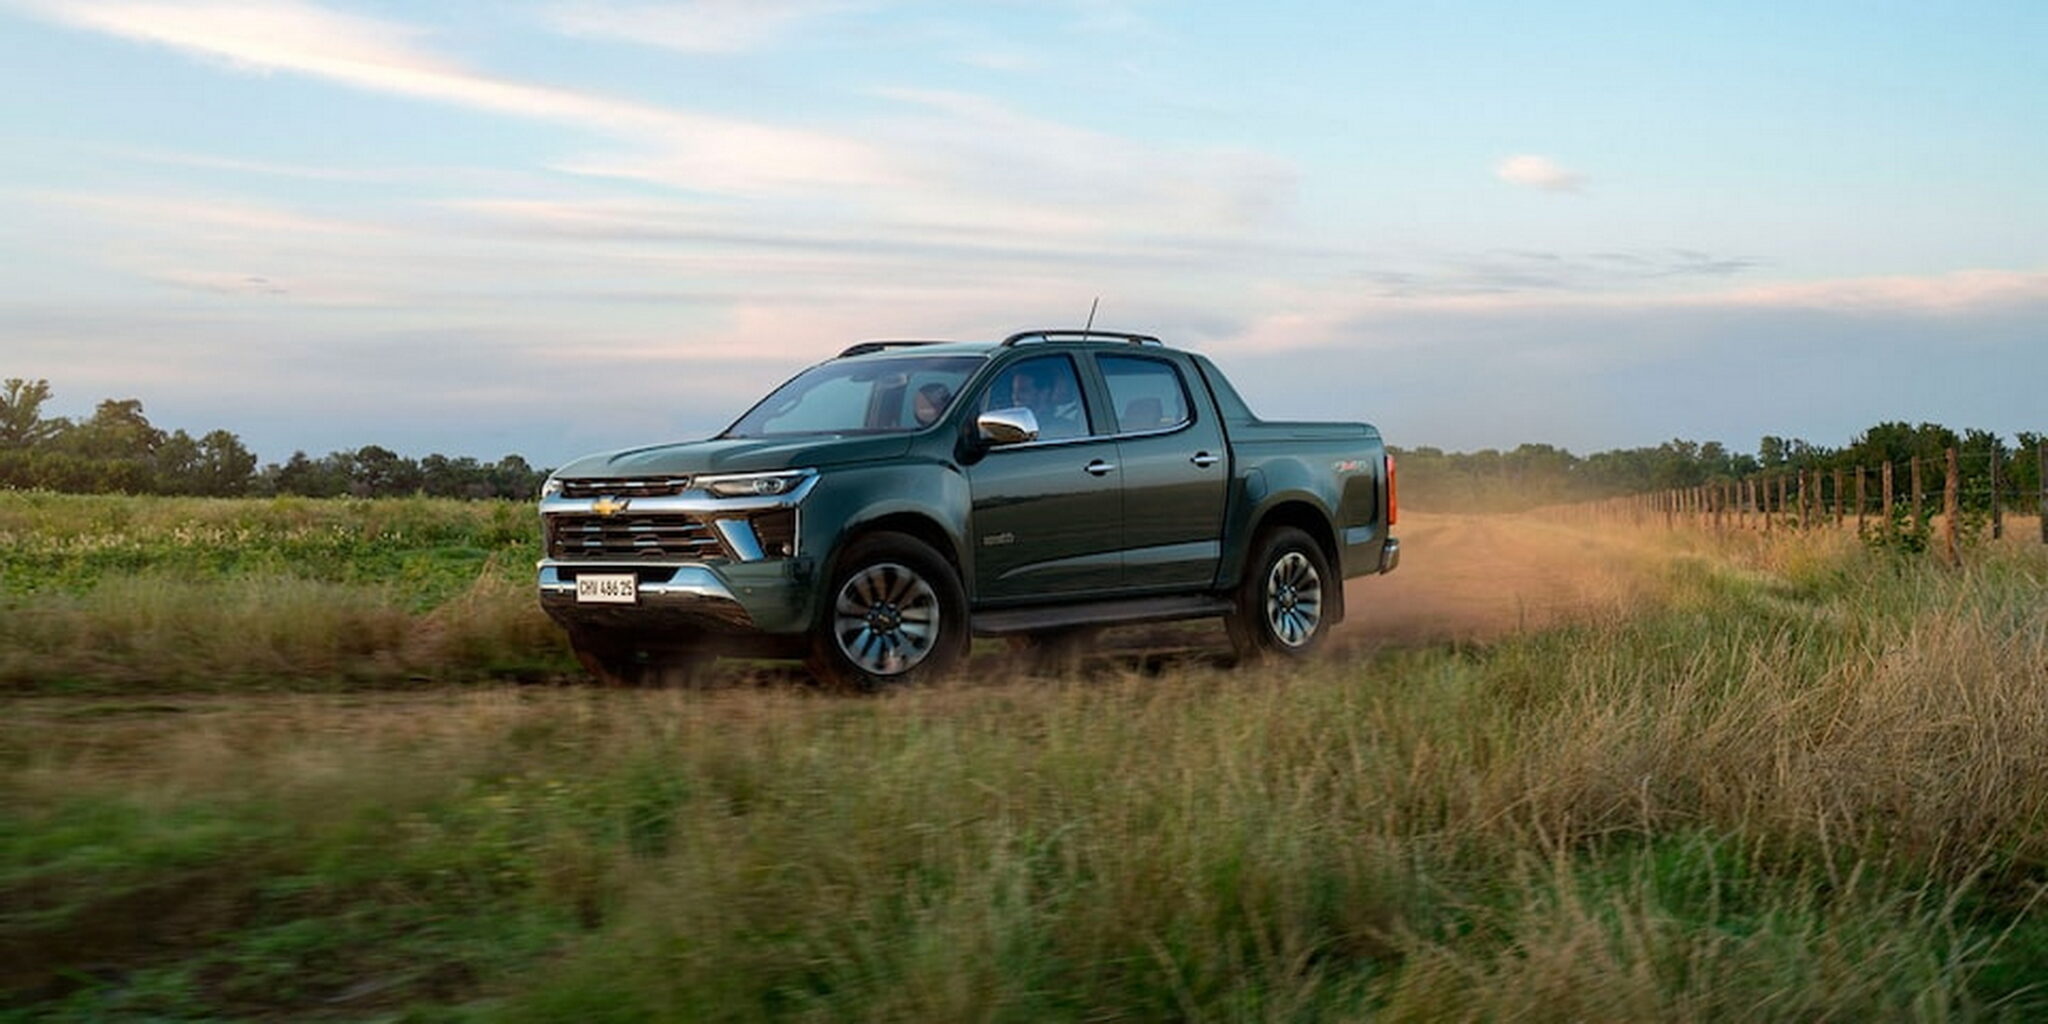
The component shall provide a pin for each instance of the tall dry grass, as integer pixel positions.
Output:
(1802, 781)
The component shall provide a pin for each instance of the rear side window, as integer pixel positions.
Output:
(1147, 394)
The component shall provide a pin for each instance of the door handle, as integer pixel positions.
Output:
(1204, 459)
(1101, 468)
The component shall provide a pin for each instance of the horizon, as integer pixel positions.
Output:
(1822, 445)
(567, 226)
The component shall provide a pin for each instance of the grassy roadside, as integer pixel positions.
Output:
(117, 593)
(1803, 782)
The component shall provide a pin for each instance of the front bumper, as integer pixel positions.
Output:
(730, 598)
(703, 565)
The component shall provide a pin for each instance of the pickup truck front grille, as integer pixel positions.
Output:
(665, 537)
(650, 488)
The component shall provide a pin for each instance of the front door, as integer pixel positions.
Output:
(1047, 513)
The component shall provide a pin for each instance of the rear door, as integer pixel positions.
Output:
(1047, 514)
(1176, 472)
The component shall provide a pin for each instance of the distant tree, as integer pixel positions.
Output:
(177, 464)
(375, 471)
(2026, 463)
(1897, 442)
(513, 477)
(443, 477)
(117, 430)
(225, 465)
(21, 414)
(313, 478)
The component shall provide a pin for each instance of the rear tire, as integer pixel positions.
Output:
(894, 614)
(1284, 604)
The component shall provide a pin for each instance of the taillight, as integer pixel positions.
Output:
(1393, 495)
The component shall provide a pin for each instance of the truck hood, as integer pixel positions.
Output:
(736, 455)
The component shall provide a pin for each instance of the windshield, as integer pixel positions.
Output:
(862, 396)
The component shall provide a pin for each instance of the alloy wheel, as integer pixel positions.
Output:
(1294, 599)
(886, 619)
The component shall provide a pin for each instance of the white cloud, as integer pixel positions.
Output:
(202, 216)
(711, 153)
(1538, 172)
(694, 26)
(944, 163)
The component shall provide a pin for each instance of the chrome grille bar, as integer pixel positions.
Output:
(669, 537)
(647, 488)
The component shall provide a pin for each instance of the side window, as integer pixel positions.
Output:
(1147, 394)
(1049, 387)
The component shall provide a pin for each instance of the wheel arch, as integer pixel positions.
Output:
(910, 524)
(1309, 518)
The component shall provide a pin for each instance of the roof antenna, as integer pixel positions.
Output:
(1091, 317)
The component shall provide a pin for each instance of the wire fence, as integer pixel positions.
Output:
(1972, 494)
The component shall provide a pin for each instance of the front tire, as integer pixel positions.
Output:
(1284, 605)
(894, 614)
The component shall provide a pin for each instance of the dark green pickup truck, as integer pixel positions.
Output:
(880, 509)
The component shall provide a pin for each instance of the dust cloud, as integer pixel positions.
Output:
(1481, 577)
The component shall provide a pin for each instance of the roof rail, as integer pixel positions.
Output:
(1080, 335)
(861, 348)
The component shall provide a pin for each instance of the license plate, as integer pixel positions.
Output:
(607, 588)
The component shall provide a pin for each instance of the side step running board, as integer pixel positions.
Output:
(1099, 613)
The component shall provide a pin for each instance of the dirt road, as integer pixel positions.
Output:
(1473, 577)
(1465, 578)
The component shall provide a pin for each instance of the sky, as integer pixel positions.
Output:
(552, 227)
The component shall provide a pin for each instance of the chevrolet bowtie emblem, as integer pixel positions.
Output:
(610, 506)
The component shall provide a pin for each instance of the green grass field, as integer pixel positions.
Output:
(121, 594)
(1799, 780)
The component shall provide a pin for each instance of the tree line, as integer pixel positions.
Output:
(1534, 475)
(117, 449)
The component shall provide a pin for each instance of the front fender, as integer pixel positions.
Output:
(929, 499)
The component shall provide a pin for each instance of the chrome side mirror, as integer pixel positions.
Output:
(1007, 426)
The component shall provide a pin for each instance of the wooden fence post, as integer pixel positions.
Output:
(2041, 452)
(1997, 499)
(1951, 500)
(1860, 502)
(1838, 498)
(1916, 493)
(1887, 497)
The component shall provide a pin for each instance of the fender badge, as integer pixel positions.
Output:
(994, 540)
(610, 506)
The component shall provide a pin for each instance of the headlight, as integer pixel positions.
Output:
(550, 487)
(753, 485)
